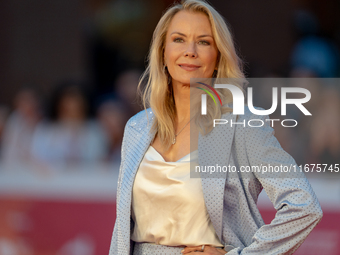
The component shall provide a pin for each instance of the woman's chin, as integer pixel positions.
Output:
(186, 81)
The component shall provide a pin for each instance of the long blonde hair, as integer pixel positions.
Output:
(157, 92)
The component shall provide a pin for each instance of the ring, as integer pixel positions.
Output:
(202, 248)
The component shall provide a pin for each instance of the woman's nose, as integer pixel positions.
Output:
(191, 51)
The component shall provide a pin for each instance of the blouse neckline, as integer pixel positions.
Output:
(186, 158)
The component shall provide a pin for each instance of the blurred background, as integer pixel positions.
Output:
(68, 73)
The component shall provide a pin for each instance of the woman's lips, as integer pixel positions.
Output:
(189, 67)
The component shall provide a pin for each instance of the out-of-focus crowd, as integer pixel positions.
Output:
(70, 127)
(75, 129)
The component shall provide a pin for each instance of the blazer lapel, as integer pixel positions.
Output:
(139, 140)
(213, 149)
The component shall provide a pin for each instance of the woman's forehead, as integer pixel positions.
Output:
(188, 23)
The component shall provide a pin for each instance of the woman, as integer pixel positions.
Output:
(160, 209)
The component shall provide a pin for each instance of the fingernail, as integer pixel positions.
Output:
(182, 251)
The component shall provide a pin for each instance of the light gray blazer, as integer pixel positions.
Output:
(230, 202)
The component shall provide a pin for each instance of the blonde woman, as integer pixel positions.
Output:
(160, 209)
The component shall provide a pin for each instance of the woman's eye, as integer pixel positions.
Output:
(178, 40)
(204, 43)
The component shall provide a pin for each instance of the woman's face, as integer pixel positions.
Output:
(190, 49)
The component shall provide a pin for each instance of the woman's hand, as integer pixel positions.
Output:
(208, 250)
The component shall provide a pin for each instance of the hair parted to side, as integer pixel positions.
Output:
(158, 94)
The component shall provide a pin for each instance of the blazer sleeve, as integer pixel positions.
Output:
(297, 208)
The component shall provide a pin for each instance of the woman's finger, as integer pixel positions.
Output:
(190, 249)
(197, 250)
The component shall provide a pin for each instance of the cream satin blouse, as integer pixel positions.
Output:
(168, 206)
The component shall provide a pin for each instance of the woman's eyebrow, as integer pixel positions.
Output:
(185, 35)
(204, 36)
(178, 33)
